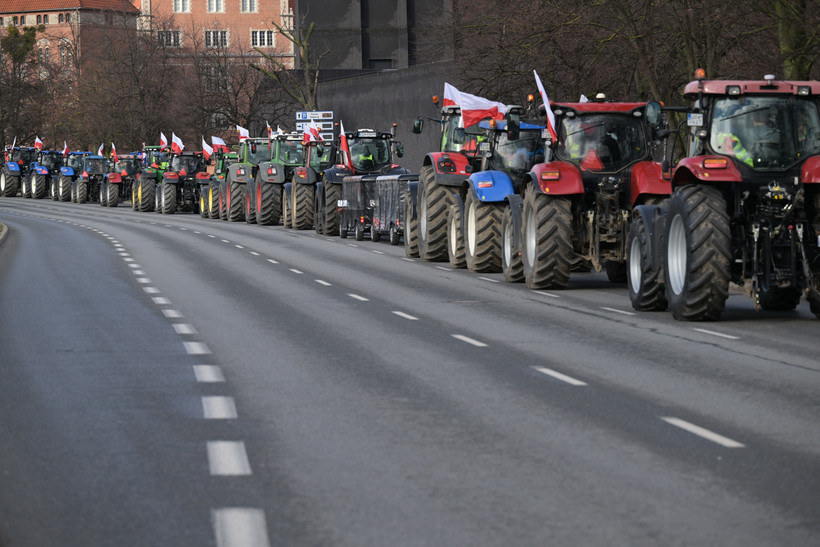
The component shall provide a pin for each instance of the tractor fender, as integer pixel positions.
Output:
(13, 168)
(558, 178)
(336, 173)
(450, 168)
(654, 221)
(516, 203)
(240, 173)
(810, 172)
(271, 172)
(646, 177)
(146, 175)
(171, 177)
(692, 170)
(67, 171)
(40, 170)
(491, 186)
(113, 178)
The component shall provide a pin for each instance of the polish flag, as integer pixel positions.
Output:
(101, 149)
(311, 133)
(114, 153)
(206, 150)
(345, 148)
(65, 149)
(163, 141)
(219, 144)
(473, 108)
(279, 130)
(450, 95)
(270, 130)
(38, 144)
(243, 133)
(550, 115)
(176, 144)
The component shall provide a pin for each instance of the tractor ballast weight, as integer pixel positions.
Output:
(745, 207)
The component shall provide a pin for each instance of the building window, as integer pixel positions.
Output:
(182, 6)
(15, 20)
(216, 78)
(39, 19)
(22, 19)
(169, 38)
(1, 21)
(247, 6)
(216, 6)
(262, 38)
(48, 54)
(45, 19)
(216, 38)
(60, 18)
(67, 17)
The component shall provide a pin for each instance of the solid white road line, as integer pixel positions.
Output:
(215, 407)
(228, 458)
(208, 374)
(719, 334)
(471, 341)
(558, 376)
(240, 527)
(406, 316)
(701, 432)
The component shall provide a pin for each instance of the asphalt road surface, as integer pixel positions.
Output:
(169, 380)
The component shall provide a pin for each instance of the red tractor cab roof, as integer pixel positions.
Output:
(742, 87)
(598, 107)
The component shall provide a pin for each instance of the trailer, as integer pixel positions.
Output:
(388, 209)
(356, 206)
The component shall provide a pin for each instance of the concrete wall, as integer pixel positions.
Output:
(397, 96)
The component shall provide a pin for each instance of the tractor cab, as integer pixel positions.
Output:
(503, 150)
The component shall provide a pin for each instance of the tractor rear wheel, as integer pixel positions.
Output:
(169, 198)
(333, 193)
(8, 184)
(482, 245)
(103, 197)
(698, 254)
(512, 265)
(547, 241)
(234, 208)
(82, 191)
(302, 211)
(25, 187)
(268, 204)
(646, 290)
(434, 201)
(38, 188)
(411, 230)
(213, 200)
(145, 195)
(455, 238)
(65, 190)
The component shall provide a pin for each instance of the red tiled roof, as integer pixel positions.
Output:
(27, 6)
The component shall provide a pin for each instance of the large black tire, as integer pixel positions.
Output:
(395, 237)
(434, 201)
(250, 205)
(145, 195)
(82, 191)
(645, 283)
(358, 231)
(203, 201)
(375, 234)
(698, 254)
(55, 190)
(302, 208)
(8, 184)
(134, 204)
(169, 198)
(411, 230)
(813, 296)
(512, 264)
(25, 186)
(455, 238)
(39, 188)
(103, 198)
(333, 193)
(287, 220)
(482, 235)
(318, 214)
(234, 201)
(65, 188)
(547, 240)
(268, 204)
(615, 271)
(213, 200)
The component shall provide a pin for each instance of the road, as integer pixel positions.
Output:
(169, 380)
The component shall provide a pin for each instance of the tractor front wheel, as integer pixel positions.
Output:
(512, 265)
(482, 245)
(455, 238)
(547, 241)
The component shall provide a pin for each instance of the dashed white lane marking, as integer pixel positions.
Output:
(547, 294)
(196, 348)
(239, 246)
(225, 241)
(184, 328)
(352, 245)
(272, 261)
(128, 259)
(124, 254)
(471, 341)
(357, 297)
(322, 282)
(254, 253)
(490, 280)
(558, 376)
(143, 280)
(407, 259)
(161, 300)
(718, 334)
(138, 272)
(212, 236)
(294, 270)
(171, 314)
(444, 268)
(702, 432)
(151, 290)
(240, 527)
(216, 407)
(613, 310)
(134, 265)
(406, 315)
(208, 374)
(377, 252)
(228, 458)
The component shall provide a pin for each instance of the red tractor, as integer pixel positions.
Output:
(745, 206)
(575, 209)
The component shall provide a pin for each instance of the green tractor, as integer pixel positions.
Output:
(266, 190)
(143, 193)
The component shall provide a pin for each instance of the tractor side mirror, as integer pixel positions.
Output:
(253, 148)
(513, 125)
(418, 125)
(653, 113)
(399, 150)
(320, 150)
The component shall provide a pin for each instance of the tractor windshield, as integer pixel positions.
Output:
(456, 138)
(95, 166)
(290, 152)
(75, 162)
(320, 161)
(517, 156)
(51, 161)
(602, 142)
(129, 166)
(766, 132)
(189, 164)
(258, 152)
(369, 154)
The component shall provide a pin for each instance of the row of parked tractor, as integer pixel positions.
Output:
(730, 193)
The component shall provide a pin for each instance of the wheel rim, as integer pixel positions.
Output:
(139, 192)
(635, 272)
(507, 244)
(676, 255)
(423, 215)
(3, 182)
(471, 228)
(259, 199)
(454, 234)
(531, 239)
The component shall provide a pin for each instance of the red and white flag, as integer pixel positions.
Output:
(473, 108)
(65, 149)
(101, 149)
(206, 150)
(345, 148)
(243, 133)
(38, 144)
(114, 153)
(219, 144)
(550, 115)
(176, 144)
(312, 133)
(163, 141)
(450, 95)
(270, 130)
